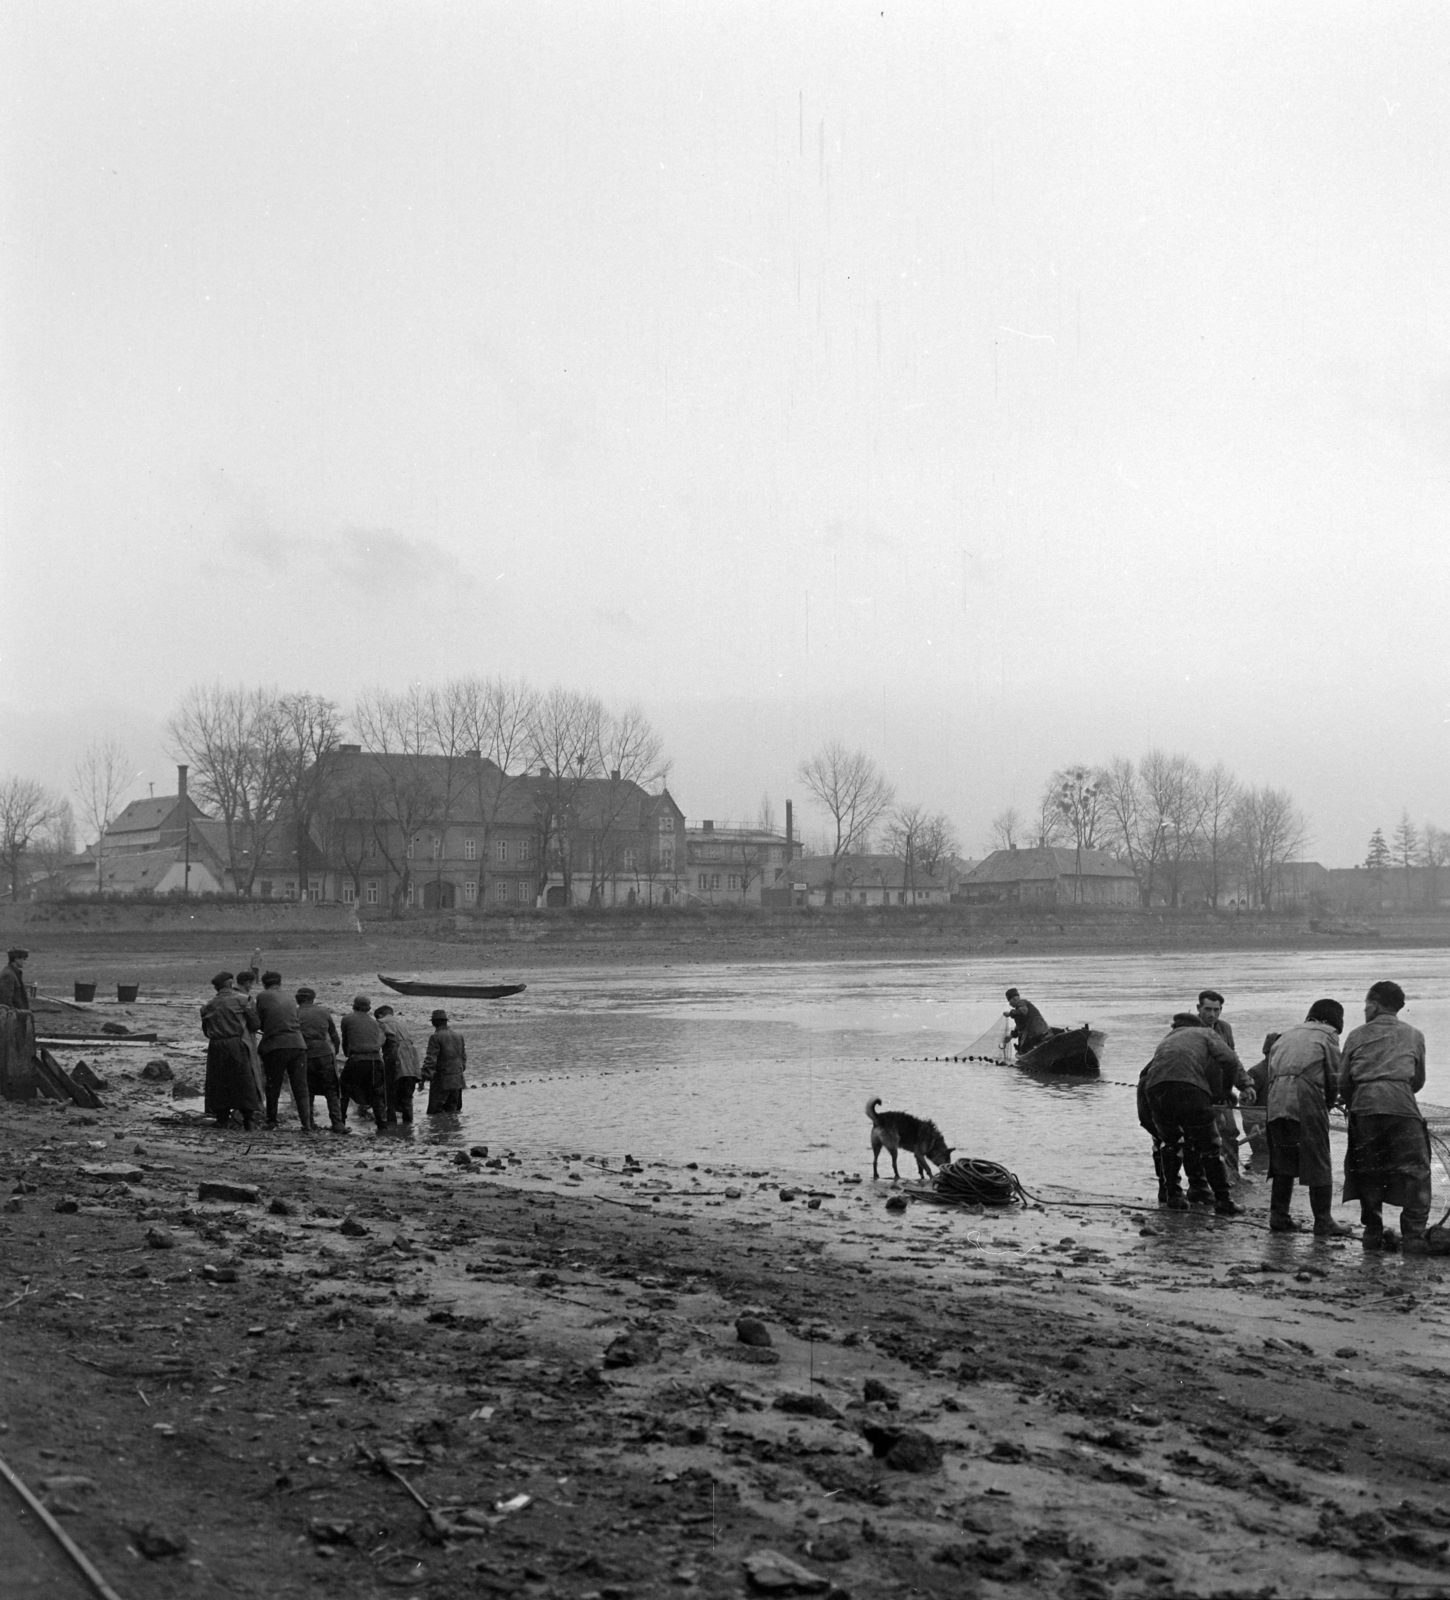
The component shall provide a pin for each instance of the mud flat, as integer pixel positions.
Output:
(1081, 1399)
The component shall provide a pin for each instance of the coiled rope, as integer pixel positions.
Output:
(970, 1181)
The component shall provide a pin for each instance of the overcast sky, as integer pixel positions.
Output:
(991, 387)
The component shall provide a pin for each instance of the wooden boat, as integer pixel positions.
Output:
(430, 988)
(1069, 1050)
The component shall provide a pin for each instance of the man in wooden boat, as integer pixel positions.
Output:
(1303, 1083)
(443, 1066)
(1382, 1069)
(1191, 1070)
(1029, 1026)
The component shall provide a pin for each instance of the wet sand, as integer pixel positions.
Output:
(1118, 1401)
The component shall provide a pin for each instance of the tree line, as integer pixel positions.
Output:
(1185, 831)
(1408, 848)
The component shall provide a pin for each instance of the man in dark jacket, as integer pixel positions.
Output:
(319, 1035)
(228, 1019)
(1210, 1015)
(13, 992)
(284, 1051)
(1029, 1026)
(1191, 1070)
(443, 1066)
(362, 1077)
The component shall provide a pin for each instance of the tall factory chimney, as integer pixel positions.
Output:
(789, 832)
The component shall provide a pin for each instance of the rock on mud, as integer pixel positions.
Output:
(751, 1330)
(242, 1194)
(770, 1572)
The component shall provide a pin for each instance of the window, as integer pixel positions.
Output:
(714, 880)
(266, 888)
(863, 897)
(667, 825)
(524, 894)
(502, 891)
(370, 853)
(371, 891)
(411, 842)
(437, 849)
(501, 851)
(470, 892)
(289, 889)
(314, 888)
(349, 894)
(470, 849)
(631, 860)
(526, 849)
(667, 860)
(410, 893)
(704, 882)
(734, 880)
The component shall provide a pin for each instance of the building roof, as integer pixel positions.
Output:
(149, 815)
(1045, 865)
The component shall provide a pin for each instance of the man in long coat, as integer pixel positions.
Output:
(228, 1019)
(443, 1066)
(1382, 1069)
(1303, 1083)
(402, 1069)
(13, 992)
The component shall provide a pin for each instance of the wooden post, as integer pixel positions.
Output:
(17, 1054)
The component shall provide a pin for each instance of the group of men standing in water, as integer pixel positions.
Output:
(256, 1044)
(1185, 1100)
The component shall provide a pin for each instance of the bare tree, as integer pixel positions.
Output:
(565, 739)
(500, 715)
(904, 828)
(100, 779)
(1217, 841)
(235, 742)
(396, 785)
(632, 753)
(1406, 847)
(1273, 830)
(1434, 854)
(765, 818)
(1048, 827)
(937, 845)
(1171, 789)
(851, 788)
(1007, 828)
(53, 848)
(27, 809)
(1076, 794)
(311, 728)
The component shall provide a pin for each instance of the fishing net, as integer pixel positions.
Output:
(993, 1045)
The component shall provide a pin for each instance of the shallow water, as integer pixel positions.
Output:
(770, 1065)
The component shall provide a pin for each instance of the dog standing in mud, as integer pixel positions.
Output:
(899, 1130)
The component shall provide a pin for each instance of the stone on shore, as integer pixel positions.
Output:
(752, 1331)
(241, 1194)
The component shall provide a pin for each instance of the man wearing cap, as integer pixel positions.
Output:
(362, 1077)
(443, 1066)
(243, 980)
(1303, 1082)
(231, 1085)
(283, 1050)
(1210, 1015)
(1381, 1070)
(401, 1068)
(13, 992)
(319, 1035)
(1029, 1026)
(1190, 1071)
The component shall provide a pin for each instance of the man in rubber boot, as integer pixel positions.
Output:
(1303, 1083)
(1210, 1015)
(1190, 1072)
(1381, 1069)
(284, 1051)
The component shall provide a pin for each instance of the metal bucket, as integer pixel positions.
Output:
(85, 991)
(126, 992)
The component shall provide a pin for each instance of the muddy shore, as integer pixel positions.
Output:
(1082, 1398)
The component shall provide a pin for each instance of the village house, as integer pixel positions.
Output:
(854, 880)
(730, 866)
(164, 844)
(1049, 877)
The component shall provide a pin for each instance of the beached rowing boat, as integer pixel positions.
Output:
(1070, 1050)
(432, 988)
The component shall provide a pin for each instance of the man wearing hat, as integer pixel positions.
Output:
(443, 1066)
(362, 1077)
(319, 1035)
(227, 1020)
(13, 992)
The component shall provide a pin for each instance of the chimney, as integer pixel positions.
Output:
(472, 755)
(707, 826)
(614, 776)
(789, 832)
(349, 749)
(181, 783)
(544, 772)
